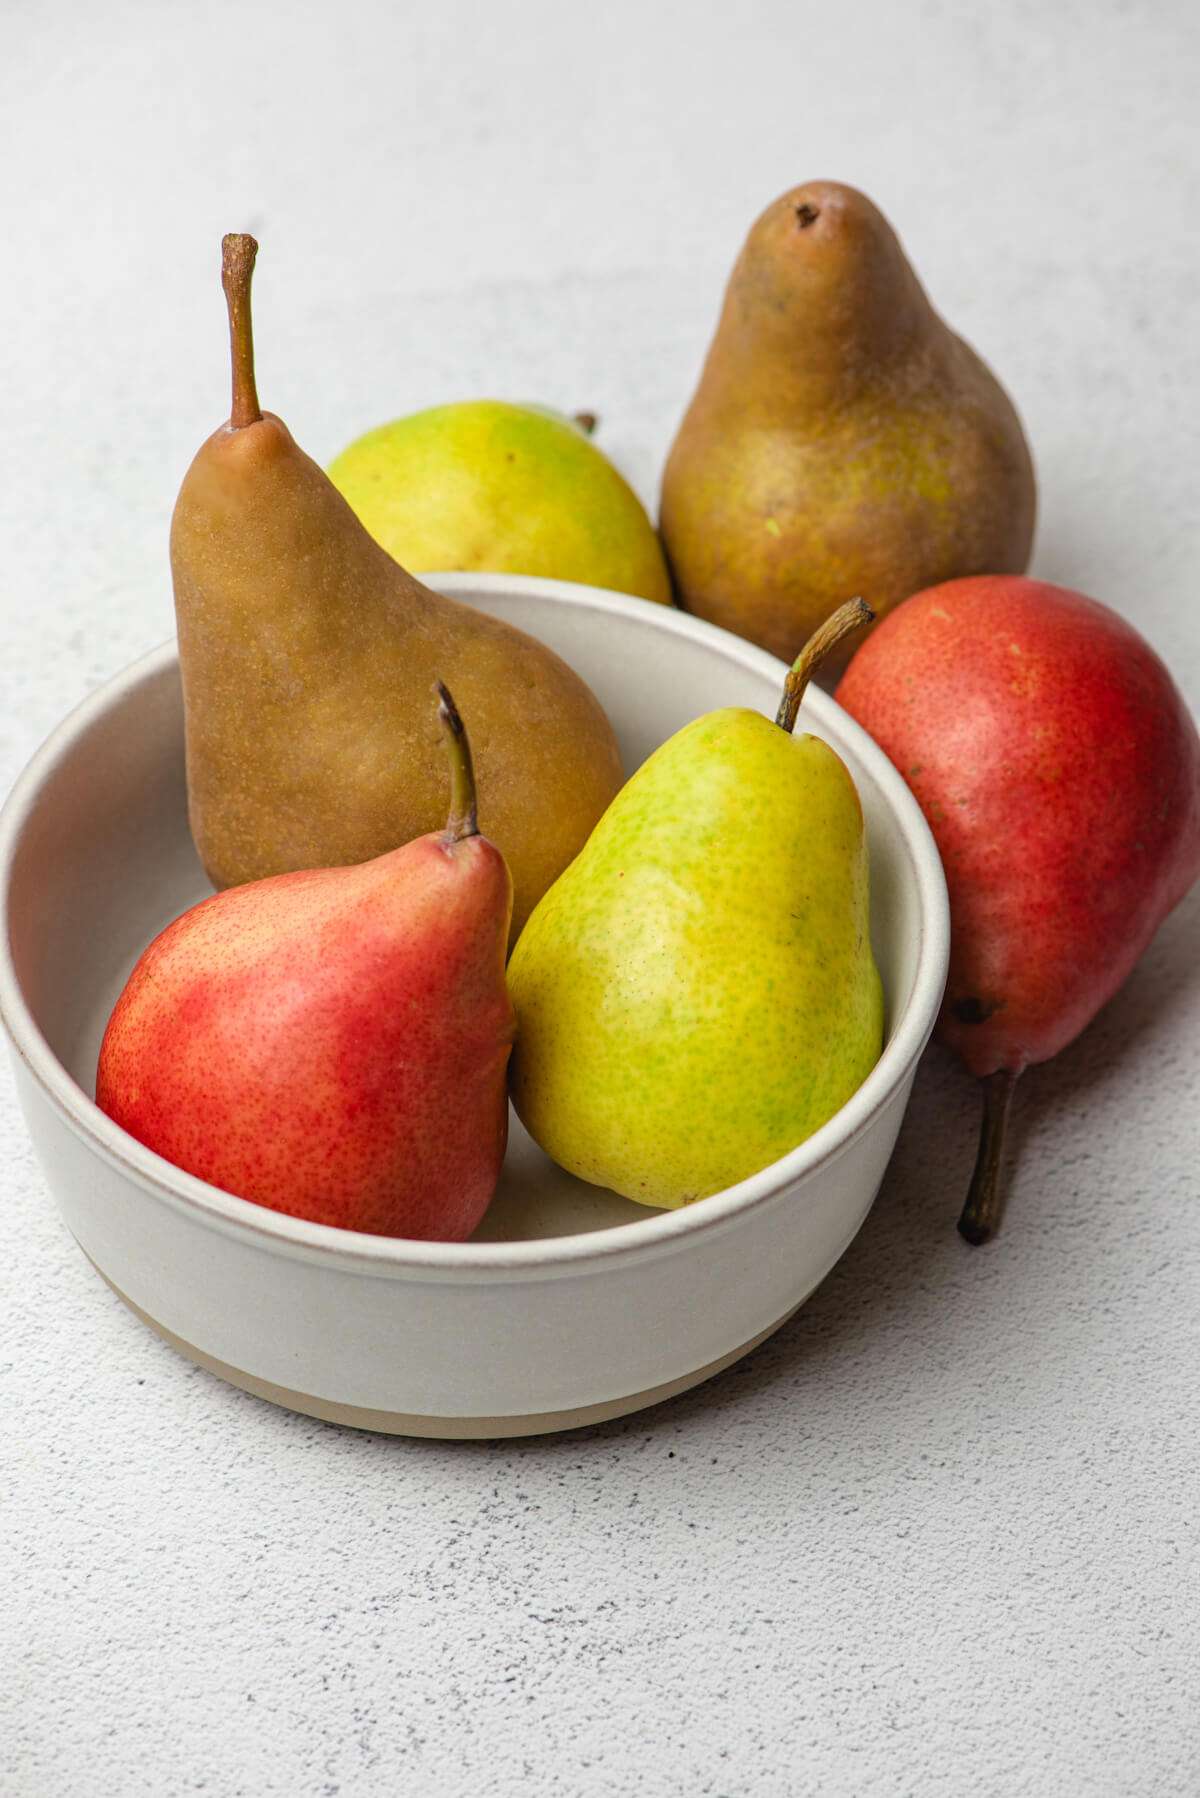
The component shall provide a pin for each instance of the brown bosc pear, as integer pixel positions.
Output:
(307, 655)
(842, 438)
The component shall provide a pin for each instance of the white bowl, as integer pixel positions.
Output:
(570, 1304)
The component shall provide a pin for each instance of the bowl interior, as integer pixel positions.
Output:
(106, 861)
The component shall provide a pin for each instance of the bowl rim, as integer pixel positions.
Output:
(658, 1232)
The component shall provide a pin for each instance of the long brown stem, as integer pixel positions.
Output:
(984, 1210)
(237, 266)
(463, 821)
(839, 624)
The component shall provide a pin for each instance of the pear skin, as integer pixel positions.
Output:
(841, 440)
(1059, 770)
(515, 489)
(332, 1044)
(697, 993)
(307, 655)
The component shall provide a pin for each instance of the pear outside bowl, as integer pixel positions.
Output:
(570, 1304)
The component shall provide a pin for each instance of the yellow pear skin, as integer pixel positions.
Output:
(697, 993)
(841, 440)
(514, 489)
(308, 656)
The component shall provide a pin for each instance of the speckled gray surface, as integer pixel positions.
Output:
(938, 1535)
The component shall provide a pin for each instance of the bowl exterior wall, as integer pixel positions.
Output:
(572, 1336)
(560, 1312)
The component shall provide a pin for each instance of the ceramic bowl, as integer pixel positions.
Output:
(570, 1304)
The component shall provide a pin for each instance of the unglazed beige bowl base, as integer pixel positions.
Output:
(447, 1429)
(570, 1304)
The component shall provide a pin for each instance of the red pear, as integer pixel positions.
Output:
(1059, 771)
(333, 1043)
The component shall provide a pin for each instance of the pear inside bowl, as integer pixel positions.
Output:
(96, 857)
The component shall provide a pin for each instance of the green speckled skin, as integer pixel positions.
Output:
(696, 994)
(511, 489)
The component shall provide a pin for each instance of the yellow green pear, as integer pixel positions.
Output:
(482, 484)
(697, 993)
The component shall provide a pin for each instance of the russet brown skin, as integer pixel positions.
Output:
(307, 656)
(1059, 771)
(842, 440)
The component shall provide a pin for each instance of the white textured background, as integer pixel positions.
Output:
(939, 1535)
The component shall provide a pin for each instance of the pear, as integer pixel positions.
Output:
(514, 489)
(1059, 769)
(333, 1044)
(841, 439)
(697, 993)
(306, 652)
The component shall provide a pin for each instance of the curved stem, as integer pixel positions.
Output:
(237, 266)
(984, 1210)
(839, 624)
(463, 821)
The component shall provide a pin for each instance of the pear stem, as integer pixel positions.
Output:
(237, 266)
(984, 1210)
(587, 422)
(839, 624)
(463, 821)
